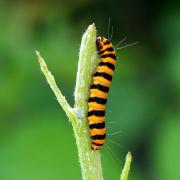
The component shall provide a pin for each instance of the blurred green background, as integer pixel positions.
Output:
(36, 140)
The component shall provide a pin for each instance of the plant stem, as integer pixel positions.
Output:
(90, 161)
(51, 81)
(125, 171)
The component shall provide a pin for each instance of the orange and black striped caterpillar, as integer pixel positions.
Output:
(98, 92)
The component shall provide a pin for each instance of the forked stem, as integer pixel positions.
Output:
(90, 161)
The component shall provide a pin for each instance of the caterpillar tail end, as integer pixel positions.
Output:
(95, 147)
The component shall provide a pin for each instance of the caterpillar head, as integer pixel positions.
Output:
(101, 42)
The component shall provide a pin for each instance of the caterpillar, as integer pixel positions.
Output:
(101, 81)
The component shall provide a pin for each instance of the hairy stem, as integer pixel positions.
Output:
(90, 161)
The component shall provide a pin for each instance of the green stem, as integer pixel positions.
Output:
(90, 161)
(125, 171)
(51, 81)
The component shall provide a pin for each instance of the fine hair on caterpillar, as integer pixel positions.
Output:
(110, 151)
(121, 41)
